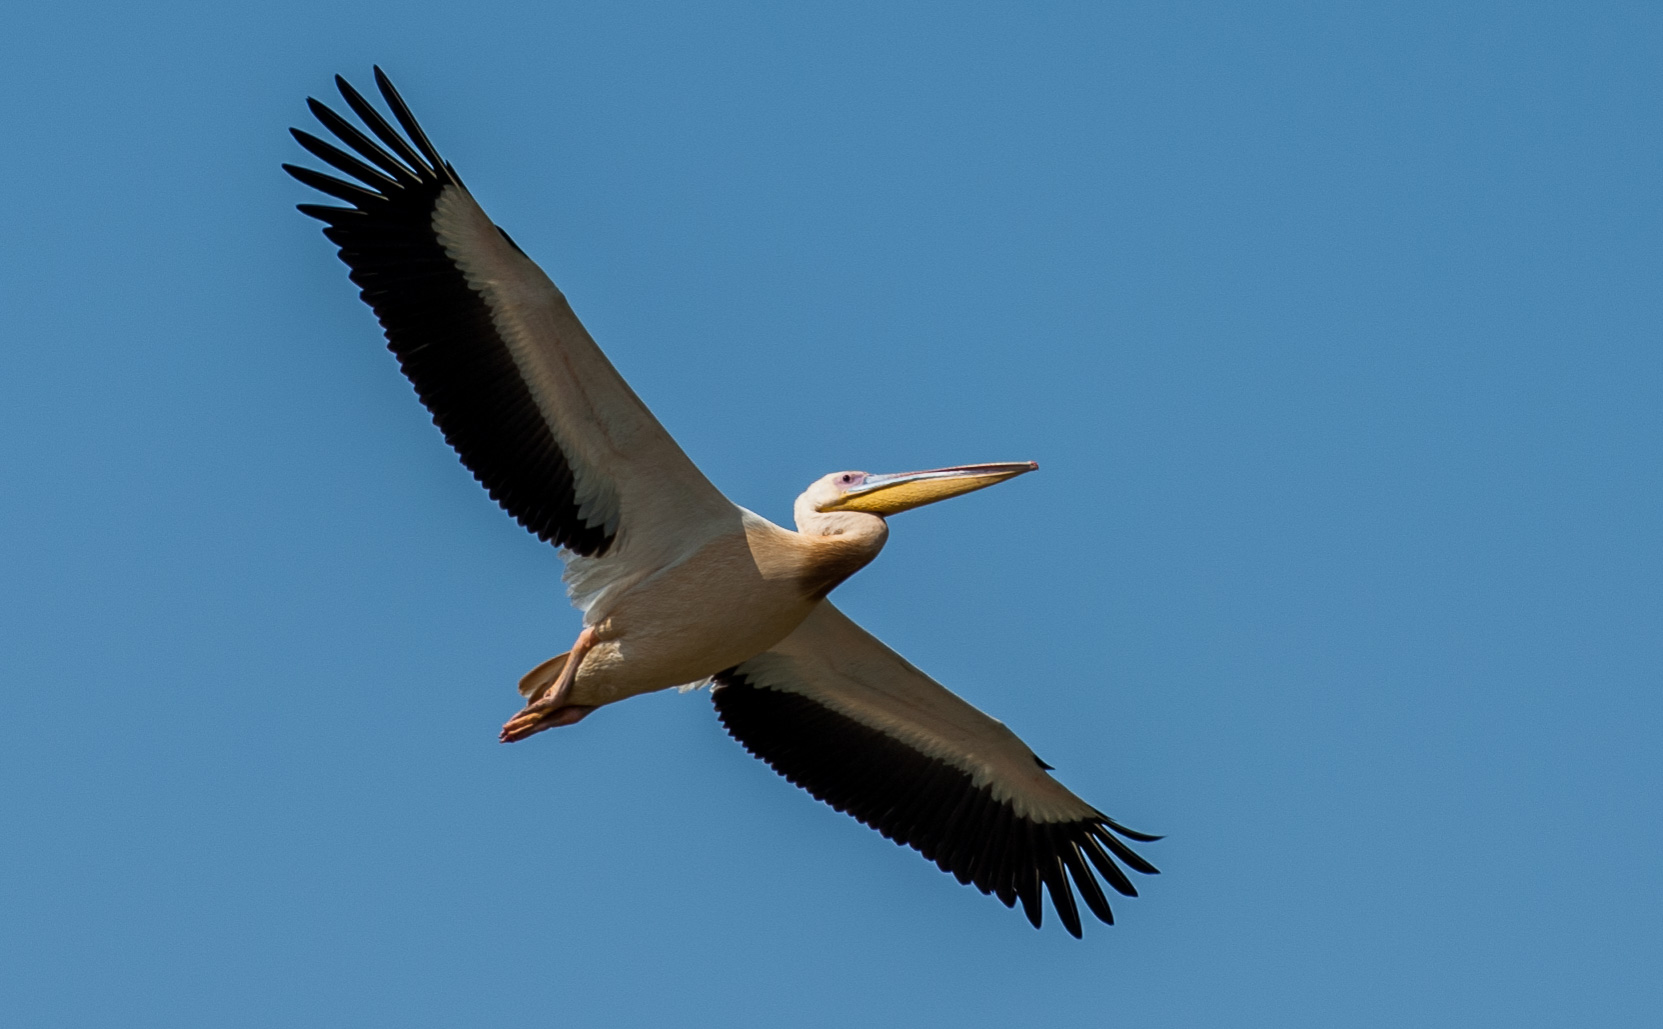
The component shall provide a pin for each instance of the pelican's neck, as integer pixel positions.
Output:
(838, 543)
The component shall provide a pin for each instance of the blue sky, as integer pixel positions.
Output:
(1334, 329)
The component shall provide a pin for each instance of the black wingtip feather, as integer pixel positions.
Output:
(1125, 853)
(1028, 889)
(1086, 883)
(401, 111)
(339, 159)
(325, 213)
(1056, 882)
(336, 188)
(1130, 834)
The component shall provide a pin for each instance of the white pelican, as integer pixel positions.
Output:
(677, 584)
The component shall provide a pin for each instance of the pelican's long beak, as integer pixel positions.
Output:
(892, 494)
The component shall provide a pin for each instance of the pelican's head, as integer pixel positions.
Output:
(846, 512)
(885, 495)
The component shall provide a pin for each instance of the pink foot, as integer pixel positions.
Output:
(536, 717)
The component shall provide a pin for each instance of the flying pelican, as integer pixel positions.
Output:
(677, 584)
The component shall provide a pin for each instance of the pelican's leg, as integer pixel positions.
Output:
(550, 710)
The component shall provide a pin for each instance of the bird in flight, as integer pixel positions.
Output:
(677, 584)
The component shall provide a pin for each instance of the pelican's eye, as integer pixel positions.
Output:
(848, 479)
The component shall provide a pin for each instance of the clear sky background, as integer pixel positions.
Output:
(1336, 330)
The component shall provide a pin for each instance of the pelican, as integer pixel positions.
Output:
(678, 585)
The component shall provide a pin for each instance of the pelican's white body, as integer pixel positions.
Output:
(727, 599)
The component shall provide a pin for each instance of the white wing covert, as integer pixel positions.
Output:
(840, 714)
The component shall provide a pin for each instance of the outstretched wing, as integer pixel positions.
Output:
(849, 720)
(511, 377)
